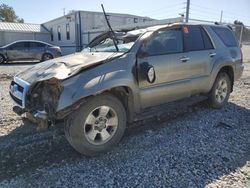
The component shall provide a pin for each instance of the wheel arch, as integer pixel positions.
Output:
(42, 58)
(228, 68)
(125, 95)
(230, 72)
(4, 56)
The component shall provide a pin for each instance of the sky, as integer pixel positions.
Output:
(40, 11)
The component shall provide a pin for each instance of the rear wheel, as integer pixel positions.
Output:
(46, 57)
(220, 92)
(97, 125)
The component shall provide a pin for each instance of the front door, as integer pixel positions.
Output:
(18, 51)
(164, 51)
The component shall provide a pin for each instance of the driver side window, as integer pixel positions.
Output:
(165, 42)
(19, 45)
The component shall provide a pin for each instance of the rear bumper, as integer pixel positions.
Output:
(238, 71)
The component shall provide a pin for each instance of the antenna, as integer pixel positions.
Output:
(110, 28)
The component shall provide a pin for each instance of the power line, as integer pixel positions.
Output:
(163, 8)
(203, 15)
(217, 10)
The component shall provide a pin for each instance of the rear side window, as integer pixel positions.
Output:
(165, 42)
(36, 45)
(226, 36)
(192, 38)
(207, 42)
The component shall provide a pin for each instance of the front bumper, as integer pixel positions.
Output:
(18, 92)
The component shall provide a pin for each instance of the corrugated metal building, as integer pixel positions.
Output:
(10, 32)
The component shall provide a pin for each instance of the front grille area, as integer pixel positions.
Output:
(19, 88)
(18, 101)
(18, 91)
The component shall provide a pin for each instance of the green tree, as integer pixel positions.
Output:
(240, 28)
(7, 14)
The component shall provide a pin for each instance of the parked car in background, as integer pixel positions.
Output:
(28, 50)
(97, 91)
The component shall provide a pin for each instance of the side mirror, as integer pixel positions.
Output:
(147, 72)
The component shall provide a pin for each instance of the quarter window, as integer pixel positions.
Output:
(192, 38)
(165, 42)
(226, 36)
(36, 45)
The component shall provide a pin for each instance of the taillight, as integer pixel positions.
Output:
(58, 50)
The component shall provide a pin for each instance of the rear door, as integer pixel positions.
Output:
(37, 49)
(164, 51)
(201, 53)
(18, 51)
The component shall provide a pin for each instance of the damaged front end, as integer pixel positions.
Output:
(42, 101)
(39, 101)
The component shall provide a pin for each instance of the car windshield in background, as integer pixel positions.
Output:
(105, 43)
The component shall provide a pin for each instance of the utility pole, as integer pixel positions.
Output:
(221, 15)
(64, 11)
(187, 10)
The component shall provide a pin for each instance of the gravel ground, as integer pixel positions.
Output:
(194, 146)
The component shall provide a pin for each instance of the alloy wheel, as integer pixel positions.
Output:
(221, 91)
(100, 125)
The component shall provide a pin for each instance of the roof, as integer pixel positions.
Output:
(22, 27)
(100, 13)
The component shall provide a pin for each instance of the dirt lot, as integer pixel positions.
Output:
(193, 146)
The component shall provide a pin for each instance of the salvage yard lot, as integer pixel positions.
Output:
(194, 146)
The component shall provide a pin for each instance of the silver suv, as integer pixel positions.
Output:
(97, 91)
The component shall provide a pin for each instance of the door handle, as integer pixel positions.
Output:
(184, 59)
(212, 54)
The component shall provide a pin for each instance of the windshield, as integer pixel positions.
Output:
(105, 43)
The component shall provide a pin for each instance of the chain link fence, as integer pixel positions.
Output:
(242, 33)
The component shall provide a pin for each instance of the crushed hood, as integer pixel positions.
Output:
(64, 67)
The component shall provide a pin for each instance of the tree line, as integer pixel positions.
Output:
(8, 14)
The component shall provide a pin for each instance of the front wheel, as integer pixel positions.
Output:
(220, 92)
(2, 59)
(97, 125)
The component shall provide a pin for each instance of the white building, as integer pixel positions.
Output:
(74, 31)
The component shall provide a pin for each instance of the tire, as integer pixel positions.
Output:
(220, 92)
(47, 56)
(2, 59)
(93, 128)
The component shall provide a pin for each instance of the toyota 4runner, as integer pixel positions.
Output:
(97, 91)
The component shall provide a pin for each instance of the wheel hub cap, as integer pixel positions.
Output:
(100, 125)
(221, 91)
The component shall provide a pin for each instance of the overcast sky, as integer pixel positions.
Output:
(40, 11)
